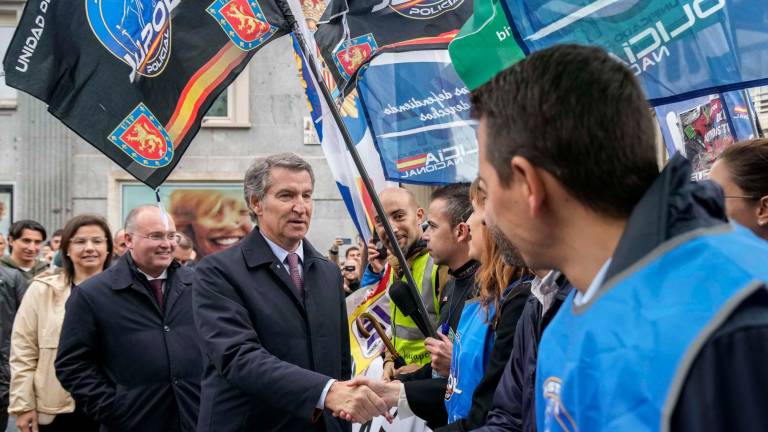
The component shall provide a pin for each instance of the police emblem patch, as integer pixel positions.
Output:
(138, 32)
(141, 136)
(352, 53)
(424, 9)
(243, 21)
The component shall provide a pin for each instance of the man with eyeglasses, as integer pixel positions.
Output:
(128, 352)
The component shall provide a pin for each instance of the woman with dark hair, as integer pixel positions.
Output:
(742, 171)
(486, 331)
(36, 397)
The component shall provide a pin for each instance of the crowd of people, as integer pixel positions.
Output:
(572, 286)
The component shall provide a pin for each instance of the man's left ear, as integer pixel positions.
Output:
(762, 212)
(255, 206)
(462, 232)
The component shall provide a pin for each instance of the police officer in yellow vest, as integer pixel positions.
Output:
(406, 218)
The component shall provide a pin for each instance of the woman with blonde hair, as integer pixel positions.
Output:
(36, 397)
(486, 331)
(214, 220)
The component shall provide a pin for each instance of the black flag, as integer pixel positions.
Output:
(135, 77)
(353, 31)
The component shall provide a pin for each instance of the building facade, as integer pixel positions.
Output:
(52, 174)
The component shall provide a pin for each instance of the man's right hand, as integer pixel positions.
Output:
(27, 422)
(374, 260)
(357, 404)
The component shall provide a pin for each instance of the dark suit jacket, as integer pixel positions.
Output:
(269, 354)
(128, 365)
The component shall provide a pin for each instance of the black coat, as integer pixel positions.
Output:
(12, 289)
(269, 354)
(126, 364)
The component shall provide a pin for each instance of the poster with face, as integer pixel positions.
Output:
(213, 215)
(706, 133)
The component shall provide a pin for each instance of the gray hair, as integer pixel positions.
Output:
(257, 179)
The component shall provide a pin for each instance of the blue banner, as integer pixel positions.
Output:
(678, 49)
(418, 112)
(701, 128)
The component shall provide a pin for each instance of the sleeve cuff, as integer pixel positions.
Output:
(321, 402)
(403, 409)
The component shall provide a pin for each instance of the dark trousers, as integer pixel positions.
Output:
(3, 414)
(76, 421)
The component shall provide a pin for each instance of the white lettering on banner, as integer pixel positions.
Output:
(435, 98)
(158, 21)
(440, 160)
(649, 46)
(30, 43)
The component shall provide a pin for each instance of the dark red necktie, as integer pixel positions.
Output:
(157, 288)
(293, 269)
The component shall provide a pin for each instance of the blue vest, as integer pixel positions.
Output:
(619, 362)
(471, 350)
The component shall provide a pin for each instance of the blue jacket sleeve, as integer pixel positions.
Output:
(506, 412)
(370, 277)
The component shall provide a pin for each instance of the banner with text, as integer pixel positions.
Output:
(678, 49)
(418, 112)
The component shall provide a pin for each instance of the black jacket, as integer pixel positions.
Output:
(269, 353)
(127, 364)
(513, 401)
(12, 289)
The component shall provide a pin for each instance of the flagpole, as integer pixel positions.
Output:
(309, 56)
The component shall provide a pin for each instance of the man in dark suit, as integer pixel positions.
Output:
(129, 353)
(271, 316)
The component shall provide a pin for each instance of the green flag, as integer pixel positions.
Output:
(485, 45)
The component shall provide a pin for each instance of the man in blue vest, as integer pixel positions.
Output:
(667, 328)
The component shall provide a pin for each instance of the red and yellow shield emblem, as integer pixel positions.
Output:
(145, 139)
(243, 20)
(353, 53)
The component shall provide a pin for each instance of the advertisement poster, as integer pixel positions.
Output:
(212, 215)
(6, 209)
(419, 115)
(701, 128)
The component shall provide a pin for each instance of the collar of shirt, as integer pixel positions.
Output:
(544, 289)
(163, 275)
(582, 299)
(281, 253)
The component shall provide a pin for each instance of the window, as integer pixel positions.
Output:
(230, 109)
(9, 16)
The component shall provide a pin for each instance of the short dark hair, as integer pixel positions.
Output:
(458, 206)
(350, 249)
(747, 163)
(69, 231)
(58, 232)
(18, 227)
(579, 114)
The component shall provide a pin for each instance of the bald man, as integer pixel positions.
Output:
(405, 216)
(129, 353)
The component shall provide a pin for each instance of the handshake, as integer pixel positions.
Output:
(362, 399)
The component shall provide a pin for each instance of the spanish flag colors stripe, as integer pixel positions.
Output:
(200, 87)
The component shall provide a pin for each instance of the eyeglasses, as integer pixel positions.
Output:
(160, 236)
(350, 268)
(81, 242)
